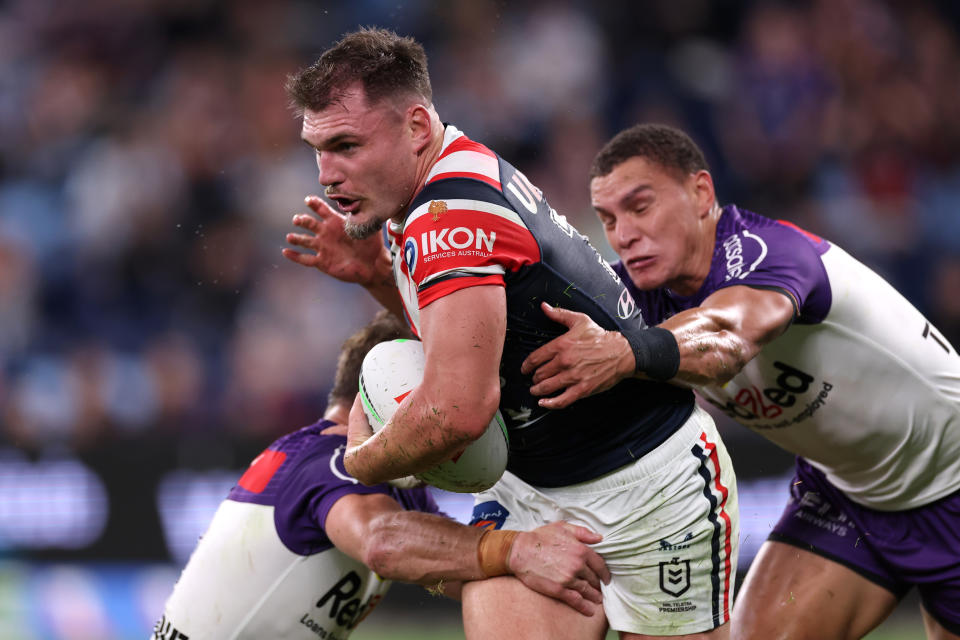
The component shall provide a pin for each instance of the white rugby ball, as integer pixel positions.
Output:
(390, 371)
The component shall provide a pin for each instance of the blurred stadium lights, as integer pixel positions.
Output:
(186, 502)
(74, 602)
(54, 503)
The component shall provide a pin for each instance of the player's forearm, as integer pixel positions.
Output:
(711, 350)
(419, 436)
(423, 548)
(386, 294)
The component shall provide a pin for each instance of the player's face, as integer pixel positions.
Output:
(654, 220)
(365, 160)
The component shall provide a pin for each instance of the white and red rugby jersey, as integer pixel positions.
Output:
(479, 221)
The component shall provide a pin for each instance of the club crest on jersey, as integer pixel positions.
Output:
(437, 208)
(410, 254)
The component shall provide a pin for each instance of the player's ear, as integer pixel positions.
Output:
(703, 191)
(420, 126)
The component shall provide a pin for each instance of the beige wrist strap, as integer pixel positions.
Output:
(493, 551)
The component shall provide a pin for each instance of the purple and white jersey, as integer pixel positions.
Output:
(861, 385)
(265, 568)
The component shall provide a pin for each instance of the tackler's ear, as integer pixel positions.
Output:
(703, 192)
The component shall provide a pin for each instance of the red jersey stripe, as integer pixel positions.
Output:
(463, 143)
(446, 287)
(811, 236)
(261, 470)
(724, 493)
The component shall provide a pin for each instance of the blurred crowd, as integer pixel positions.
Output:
(149, 168)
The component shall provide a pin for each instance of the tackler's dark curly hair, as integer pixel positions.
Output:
(665, 146)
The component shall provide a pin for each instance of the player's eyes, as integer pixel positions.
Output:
(340, 147)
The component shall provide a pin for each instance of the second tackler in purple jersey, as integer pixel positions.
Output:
(754, 251)
(302, 475)
(265, 567)
(889, 440)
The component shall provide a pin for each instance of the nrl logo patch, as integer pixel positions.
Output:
(675, 577)
(437, 209)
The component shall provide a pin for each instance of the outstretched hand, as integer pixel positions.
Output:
(555, 560)
(583, 361)
(331, 250)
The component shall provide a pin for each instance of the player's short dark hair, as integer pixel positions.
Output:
(666, 146)
(385, 63)
(384, 326)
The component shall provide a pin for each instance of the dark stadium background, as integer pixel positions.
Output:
(153, 340)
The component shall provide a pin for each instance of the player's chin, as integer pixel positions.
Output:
(645, 277)
(362, 225)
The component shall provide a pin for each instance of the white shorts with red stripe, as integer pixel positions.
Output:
(670, 527)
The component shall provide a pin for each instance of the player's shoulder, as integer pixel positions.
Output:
(461, 199)
(308, 440)
(270, 471)
(465, 178)
(470, 176)
(736, 221)
(747, 240)
(461, 157)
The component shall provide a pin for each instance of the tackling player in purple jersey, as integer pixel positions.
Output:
(300, 549)
(792, 337)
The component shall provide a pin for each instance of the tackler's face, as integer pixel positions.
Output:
(652, 217)
(365, 158)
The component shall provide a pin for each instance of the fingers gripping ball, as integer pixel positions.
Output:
(390, 371)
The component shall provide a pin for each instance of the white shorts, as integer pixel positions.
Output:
(670, 527)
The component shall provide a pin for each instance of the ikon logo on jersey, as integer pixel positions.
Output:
(447, 243)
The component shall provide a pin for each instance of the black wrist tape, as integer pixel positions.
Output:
(656, 352)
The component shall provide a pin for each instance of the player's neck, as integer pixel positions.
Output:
(702, 257)
(428, 156)
(338, 412)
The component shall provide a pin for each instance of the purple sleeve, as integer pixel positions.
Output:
(309, 490)
(315, 484)
(777, 256)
